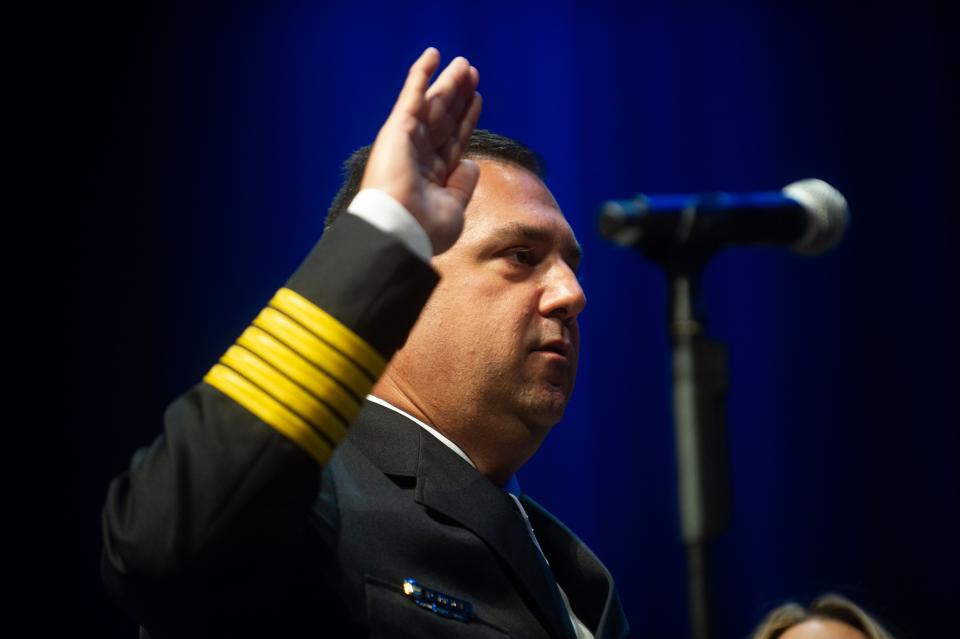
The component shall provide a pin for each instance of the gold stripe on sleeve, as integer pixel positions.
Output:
(326, 326)
(286, 392)
(300, 371)
(315, 350)
(269, 410)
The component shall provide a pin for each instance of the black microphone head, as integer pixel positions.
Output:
(827, 214)
(613, 222)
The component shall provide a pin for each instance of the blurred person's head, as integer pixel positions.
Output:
(828, 617)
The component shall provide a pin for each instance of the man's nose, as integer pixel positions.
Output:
(563, 297)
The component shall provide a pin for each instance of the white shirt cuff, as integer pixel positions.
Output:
(388, 215)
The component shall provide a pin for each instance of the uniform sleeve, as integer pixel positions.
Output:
(234, 474)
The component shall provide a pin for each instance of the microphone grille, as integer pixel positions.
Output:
(827, 214)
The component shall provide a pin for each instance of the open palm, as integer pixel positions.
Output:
(416, 157)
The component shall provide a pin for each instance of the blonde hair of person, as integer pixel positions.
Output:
(829, 606)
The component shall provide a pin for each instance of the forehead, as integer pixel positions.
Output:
(509, 196)
(822, 629)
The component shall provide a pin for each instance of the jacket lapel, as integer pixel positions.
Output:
(587, 582)
(449, 485)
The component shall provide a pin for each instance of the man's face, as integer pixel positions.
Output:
(499, 336)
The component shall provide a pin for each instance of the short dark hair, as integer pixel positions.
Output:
(483, 144)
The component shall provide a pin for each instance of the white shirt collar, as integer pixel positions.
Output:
(430, 429)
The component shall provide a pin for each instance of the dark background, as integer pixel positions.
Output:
(190, 150)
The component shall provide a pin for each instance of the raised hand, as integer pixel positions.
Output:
(417, 156)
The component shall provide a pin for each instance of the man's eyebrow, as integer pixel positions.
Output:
(572, 251)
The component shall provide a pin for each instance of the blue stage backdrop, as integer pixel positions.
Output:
(196, 146)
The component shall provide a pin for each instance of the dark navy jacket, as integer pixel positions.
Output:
(228, 525)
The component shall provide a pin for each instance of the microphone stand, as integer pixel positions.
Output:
(699, 392)
(811, 216)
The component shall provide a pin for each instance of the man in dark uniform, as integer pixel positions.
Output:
(308, 487)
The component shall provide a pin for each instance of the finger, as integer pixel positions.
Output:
(417, 82)
(446, 99)
(469, 121)
(457, 142)
(451, 78)
(443, 123)
(463, 180)
(456, 82)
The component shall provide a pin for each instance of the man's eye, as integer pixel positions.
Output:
(522, 256)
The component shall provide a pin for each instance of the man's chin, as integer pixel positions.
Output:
(545, 405)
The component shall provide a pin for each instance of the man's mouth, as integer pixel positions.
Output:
(558, 346)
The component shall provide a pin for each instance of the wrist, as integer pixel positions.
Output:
(390, 216)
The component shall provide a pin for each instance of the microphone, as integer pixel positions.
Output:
(808, 216)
